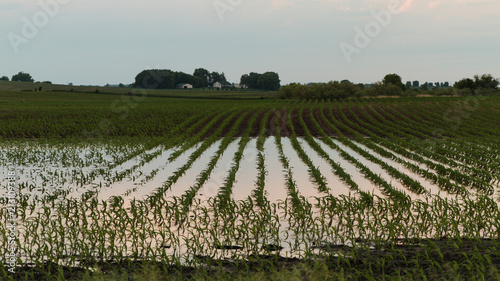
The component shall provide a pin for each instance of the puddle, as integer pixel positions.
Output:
(247, 173)
(275, 179)
(218, 175)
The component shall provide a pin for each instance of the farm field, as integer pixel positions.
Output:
(371, 187)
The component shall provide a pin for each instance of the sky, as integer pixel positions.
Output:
(96, 42)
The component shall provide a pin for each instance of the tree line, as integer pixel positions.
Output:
(267, 81)
(201, 78)
(20, 77)
(168, 79)
(391, 85)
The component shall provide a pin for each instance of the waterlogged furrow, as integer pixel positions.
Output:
(336, 167)
(454, 147)
(226, 190)
(456, 175)
(443, 182)
(440, 152)
(181, 134)
(260, 183)
(187, 198)
(315, 174)
(353, 129)
(291, 186)
(386, 188)
(404, 179)
(247, 174)
(196, 138)
(179, 131)
(194, 156)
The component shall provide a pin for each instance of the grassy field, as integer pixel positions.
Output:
(123, 185)
(26, 87)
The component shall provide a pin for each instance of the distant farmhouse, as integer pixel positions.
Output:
(223, 84)
(184, 86)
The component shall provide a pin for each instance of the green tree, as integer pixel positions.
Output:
(202, 77)
(269, 81)
(251, 80)
(486, 81)
(465, 83)
(395, 80)
(4, 78)
(181, 77)
(381, 89)
(217, 77)
(155, 79)
(244, 79)
(22, 77)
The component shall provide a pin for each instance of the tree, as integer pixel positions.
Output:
(244, 80)
(269, 81)
(202, 77)
(381, 89)
(181, 77)
(22, 77)
(217, 77)
(486, 81)
(416, 84)
(465, 83)
(4, 78)
(408, 84)
(251, 80)
(155, 79)
(395, 80)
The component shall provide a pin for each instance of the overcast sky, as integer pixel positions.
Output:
(111, 41)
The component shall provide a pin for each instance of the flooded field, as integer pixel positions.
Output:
(72, 195)
(305, 180)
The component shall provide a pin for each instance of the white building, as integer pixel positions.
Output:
(222, 85)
